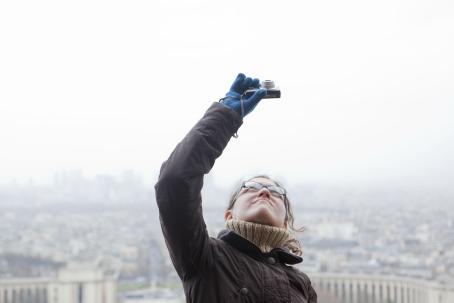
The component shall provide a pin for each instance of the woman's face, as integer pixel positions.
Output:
(259, 206)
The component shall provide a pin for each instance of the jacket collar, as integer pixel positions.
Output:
(283, 254)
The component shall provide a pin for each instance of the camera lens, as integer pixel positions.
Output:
(267, 84)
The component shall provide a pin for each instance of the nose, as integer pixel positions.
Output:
(264, 192)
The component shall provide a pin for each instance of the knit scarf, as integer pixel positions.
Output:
(265, 237)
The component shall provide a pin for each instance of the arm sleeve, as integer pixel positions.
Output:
(178, 190)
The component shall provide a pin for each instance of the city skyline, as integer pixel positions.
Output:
(349, 232)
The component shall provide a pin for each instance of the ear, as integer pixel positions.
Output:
(228, 215)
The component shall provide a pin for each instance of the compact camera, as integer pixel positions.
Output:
(272, 91)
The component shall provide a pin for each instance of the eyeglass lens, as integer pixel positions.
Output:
(274, 190)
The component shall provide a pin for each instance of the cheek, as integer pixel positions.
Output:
(242, 210)
(240, 205)
(239, 209)
(281, 209)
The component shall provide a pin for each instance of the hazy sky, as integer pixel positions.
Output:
(106, 86)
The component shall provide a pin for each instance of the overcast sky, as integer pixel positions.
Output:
(106, 86)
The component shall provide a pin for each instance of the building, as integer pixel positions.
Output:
(357, 288)
(76, 283)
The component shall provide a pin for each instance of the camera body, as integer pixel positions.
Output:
(272, 91)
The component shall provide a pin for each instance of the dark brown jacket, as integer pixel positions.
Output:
(229, 268)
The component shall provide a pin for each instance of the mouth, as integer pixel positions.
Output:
(261, 200)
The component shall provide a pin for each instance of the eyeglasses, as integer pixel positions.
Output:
(275, 190)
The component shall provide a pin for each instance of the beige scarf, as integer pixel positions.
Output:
(264, 237)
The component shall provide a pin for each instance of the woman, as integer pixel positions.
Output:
(251, 260)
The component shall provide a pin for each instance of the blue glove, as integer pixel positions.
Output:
(235, 100)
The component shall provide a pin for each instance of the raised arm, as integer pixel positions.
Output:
(178, 190)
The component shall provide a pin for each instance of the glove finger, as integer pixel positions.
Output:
(255, 83)
(238, 83)
(253, 100)
(247, 84)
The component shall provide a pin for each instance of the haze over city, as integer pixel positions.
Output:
(107, 86)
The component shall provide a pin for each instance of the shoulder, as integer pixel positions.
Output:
(312, 294)
(301, 276)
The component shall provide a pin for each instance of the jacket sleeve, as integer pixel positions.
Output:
(178, 190)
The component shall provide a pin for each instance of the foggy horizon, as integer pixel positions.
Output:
(231, 179)
(75, 189)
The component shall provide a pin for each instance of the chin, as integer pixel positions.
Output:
(262, 217)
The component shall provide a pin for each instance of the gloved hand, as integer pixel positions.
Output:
(234, 99)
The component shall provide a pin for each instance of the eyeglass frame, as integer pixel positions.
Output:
(267, 186)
